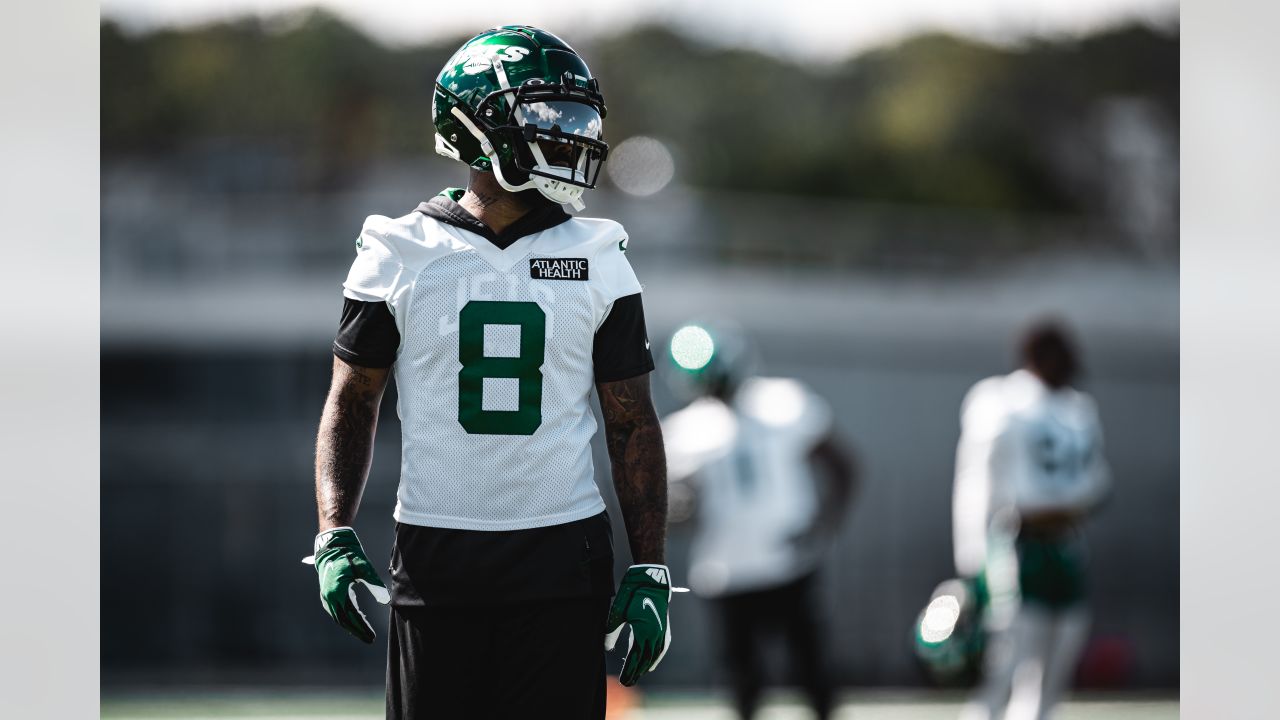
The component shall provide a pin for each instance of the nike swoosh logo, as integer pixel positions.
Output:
(647, 602)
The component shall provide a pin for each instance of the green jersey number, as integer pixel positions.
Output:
(525, 367)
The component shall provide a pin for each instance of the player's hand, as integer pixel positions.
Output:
(341, 564)
(641, 602)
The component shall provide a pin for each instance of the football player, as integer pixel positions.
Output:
(498, 313)
(1029, 469)
(743, 454)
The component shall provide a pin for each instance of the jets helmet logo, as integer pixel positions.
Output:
(477, 59)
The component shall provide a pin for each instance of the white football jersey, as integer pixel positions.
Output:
(494, 367)
(1024, 448)
(756, 492)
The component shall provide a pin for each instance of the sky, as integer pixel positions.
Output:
(811, 30)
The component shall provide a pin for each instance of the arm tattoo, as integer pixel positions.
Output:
(634, 439)
(344, 444)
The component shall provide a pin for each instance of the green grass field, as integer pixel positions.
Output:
(325, 705)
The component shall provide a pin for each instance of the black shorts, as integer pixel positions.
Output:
(499, 624)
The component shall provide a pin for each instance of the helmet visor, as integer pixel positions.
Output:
(566, 116)
(561, 140)
(571, 158)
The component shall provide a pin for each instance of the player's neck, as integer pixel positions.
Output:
(492, 204)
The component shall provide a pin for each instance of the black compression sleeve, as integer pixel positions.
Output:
(621, 349)
(367, 334)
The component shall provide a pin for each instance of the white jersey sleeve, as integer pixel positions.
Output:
(375, 273)
(390, 253)
(378, 273)
(981, 423)
(786, 406)
(817, 419)
(695, 435)
(611, 272)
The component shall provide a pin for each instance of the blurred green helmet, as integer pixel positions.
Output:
(949, 637)
(709, 357)
(518, 101)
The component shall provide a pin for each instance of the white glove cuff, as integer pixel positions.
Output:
(321, 537)
(662, 574)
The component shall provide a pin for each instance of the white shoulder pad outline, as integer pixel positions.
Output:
(391, 252)
(420, 240)
(609, 261)
(787, 405)
(417, 238)
(377, 267)
(584, 237)
(981, 397)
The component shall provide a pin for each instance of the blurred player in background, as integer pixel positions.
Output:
(1029, 469)
(499, 313)
(741, 453)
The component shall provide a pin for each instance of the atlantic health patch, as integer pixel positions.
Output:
(558, 268)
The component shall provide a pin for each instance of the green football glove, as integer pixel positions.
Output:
(641, 602)
(341, 564)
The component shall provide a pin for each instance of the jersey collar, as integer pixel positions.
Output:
(445, 208)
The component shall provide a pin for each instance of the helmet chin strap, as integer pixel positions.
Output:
(487, 147)
(576, 199)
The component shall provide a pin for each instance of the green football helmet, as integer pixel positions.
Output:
(709, 357)
(949, 638)
(518, 101)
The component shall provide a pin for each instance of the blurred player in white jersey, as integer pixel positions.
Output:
(741, 454)
(499, 314)
(1029, 469)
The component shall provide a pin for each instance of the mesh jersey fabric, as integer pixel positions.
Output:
(756, 490)
(484, 342)
(368, 337)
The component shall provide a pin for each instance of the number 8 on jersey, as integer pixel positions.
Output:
(526, 367)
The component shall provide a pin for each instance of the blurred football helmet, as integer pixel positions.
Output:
(709, 358)
(518, 101)
(949, 633)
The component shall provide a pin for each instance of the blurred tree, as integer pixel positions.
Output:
(936, 119)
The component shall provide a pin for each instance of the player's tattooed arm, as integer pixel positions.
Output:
(634, 439)
(344, 444)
